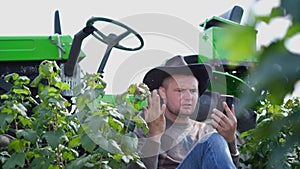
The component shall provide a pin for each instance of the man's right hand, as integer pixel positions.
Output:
(154, 116)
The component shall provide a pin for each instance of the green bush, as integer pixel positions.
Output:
(50, 132)
(274, 143)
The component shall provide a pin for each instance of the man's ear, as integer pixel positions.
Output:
(162, 92)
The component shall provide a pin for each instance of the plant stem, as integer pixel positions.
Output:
(100, 166)
(16, 124)
(55, 120)
(58, 157)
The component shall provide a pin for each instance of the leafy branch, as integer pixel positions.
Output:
(46, 131)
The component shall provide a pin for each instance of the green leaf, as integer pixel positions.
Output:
(53, 167)
(278, 68)
(23, 80)
(41, 163)
(28, 134)
(118, 157)
(140, 164)
(293, 30)
(54, 138)
(55, 79)
(138, 106)
(22, 91)
(6, 109)
(69, 155)
(12, 76)
(36, 81)
(114, 113)
(45, 151)
(87, 143)
(17, 159)
(62, 86)
(51, 139)
(274, 109)
(80, 162)
(5, 119)
(141, 123)
(289, 104)
(46, 68)
(126, 159)
(113, 147)
(74, 142)
(25, 121)
(115, 124)
(20, 109)
(4, 96)
(276, 12)
(242, 50)
(129, 143)
(131, 89)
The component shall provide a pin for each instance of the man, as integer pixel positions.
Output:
(174, 139)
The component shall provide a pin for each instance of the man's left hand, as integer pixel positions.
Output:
(225, 124)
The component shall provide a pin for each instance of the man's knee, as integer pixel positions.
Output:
(214, 139)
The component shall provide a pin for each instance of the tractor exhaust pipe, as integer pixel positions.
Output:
(57, 26)
(69, 66)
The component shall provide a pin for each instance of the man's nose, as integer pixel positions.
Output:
(187, 94)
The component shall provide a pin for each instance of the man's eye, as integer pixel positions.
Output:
(179, 90)
(194, 91)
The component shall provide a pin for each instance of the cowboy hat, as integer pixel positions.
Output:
(177, 65)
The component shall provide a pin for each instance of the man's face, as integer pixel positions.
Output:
(180, 94)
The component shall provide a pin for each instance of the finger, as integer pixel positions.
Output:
(215, 118)
(226, 107)
(215, 115)
(163, 109)
(230, 113)
(153, 94)
(232, 109)
(149, 100)
(218, 113)
(144, 109)
(147, 116)
(156, 101)
(220, 118)
(216, 124)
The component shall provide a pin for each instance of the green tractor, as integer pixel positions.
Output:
(24, 54)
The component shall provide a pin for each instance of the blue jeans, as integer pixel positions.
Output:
(210, 152)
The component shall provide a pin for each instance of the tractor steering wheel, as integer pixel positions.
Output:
(113, 39)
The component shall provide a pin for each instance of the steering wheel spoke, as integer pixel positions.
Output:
(100, 38)
(102, 35)
(123, 35)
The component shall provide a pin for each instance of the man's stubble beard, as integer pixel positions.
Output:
(179, 114)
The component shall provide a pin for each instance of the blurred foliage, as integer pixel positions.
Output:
(44, 132)
(274, 143)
